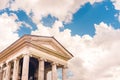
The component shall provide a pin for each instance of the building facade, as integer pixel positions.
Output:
(32, 57)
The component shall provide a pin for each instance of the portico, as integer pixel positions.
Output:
(32, 57)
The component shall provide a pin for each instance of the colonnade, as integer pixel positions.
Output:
(25, 69)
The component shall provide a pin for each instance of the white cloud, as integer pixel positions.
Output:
(106, 7)
(111, 73)
(119, 17)
(76, 73)
(93, 56)
(4, 4)
(8, 28)
(107, 41)
(96, 58)
(63, 10)
(116, 4)
(94, 1)
(75, 44)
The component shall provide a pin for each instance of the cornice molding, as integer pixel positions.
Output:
(28, 41)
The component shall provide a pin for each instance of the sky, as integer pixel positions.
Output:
(89, 29)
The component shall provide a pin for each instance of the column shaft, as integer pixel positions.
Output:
(64, 73)
(25, 67)
(8, 71)
(41, 70)
(15, 69)
(1, 73)
(54, 71)
(45, 75)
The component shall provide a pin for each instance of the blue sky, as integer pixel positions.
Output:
(83, 20)
(89, 29)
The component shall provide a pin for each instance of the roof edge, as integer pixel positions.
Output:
(27, 38)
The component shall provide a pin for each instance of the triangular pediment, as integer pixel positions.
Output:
(52, 44)
(38, 42)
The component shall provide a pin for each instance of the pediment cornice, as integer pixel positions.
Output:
(49, 44)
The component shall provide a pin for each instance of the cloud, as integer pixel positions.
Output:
(75, 44)
(116, 4)
(4, 4)
(100, 54)
(76, 73)
(107, 40)
(94, 57)
(63, 10)
(117, 15)
(106, 7)
(8, 30)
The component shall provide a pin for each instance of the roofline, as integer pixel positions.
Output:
(11, 45)
(20, 39)
(14, 43)
(62, 45)
(53, 38)
(37, 36)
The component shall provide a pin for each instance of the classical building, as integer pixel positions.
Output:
(32, 57)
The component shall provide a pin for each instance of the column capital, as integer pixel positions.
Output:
(8, 63)
(41, 59)
(26, 54)
(1, 65)
(54, 63)
(65, 66)
(15, 59)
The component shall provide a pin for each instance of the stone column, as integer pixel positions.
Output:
(64, 73)
(15, 69)
(1, 73)
(54, 71)
(45, 75)
(8, 71)
(25, 67)
(41, 70)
